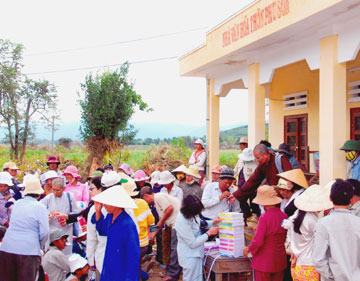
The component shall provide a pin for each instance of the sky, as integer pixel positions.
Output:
(65, 35)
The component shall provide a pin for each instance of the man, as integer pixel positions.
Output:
(12, 169)
(337, 238)
(267, 169)
(168, 208)
(53, 163)
(352, 152)
(167, 180)
(215, 173)
(108, 168)
(355, 200)
(216, 196)
(284, 150)
(243, 142)
(55, 263)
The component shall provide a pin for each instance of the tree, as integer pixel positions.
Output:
(65, 142)
(107, 106)
(21, 99)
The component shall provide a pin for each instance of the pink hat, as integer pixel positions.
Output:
(140, 176)
(72, 170)
(126, 168)
(53, 159)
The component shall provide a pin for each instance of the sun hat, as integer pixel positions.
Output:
(6, 178)
(146, 190)
(10, 165)
(316, 198)
(227, 173)
(111, 178)
(96, 174)
(76, 262)
(180, 169)
(130, 187)
(216, 169)
(266, 195)
(115, 196)
(72, 170)
(193, 171)
(53, 159)
(285, 148)
(296, 176)
(126, 168)
(243, 140)
(166, 177)
(351, 145)
(282, 184)
(140, 176)
(155, 177)
(56, 234)
(199, 141)
(50, 175)
(33, 186)
(81, 233)
(247, 155)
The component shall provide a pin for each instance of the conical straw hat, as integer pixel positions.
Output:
(266, 195)
(296, 176)
(193, 171)
(116, 196)
(314, 199)
(180, 169)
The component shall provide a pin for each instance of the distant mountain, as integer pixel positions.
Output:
(235, 133)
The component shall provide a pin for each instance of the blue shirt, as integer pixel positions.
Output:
(355, 169)
(122, 253)
(28, 230)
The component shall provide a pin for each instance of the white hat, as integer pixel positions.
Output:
(26, 178)
(56, 234)
(10, 165)
(316, 198)
(115, 196)
(166, 177)
(199, 141)
(111, 178)
(76, 262)
(180, 169)
(50, 175)
(155, 177)
(33, 186)
(243, 140)
(247, 155)
(6, 178)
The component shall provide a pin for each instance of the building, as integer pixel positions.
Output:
(303, 55)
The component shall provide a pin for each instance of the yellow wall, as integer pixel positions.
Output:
(296, 77)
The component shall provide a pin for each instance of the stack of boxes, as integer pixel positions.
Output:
(232, 241)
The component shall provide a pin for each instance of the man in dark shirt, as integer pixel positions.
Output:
(266, 169)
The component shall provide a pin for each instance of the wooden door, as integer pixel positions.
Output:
(355, 123)
(296, 135)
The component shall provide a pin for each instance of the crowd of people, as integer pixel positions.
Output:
(57, 226)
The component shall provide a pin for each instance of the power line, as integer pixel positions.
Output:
(114, 43)
(100, 66)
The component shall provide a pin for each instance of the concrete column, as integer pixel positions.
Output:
(213, 135)
(256, 106)
(332, 111)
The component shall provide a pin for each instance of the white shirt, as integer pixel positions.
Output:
(213, 205)
(175, 192)
(247, 167)
(162, 202)
(201, 157)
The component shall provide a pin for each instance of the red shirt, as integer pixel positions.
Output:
(268, 248)
(266, 171)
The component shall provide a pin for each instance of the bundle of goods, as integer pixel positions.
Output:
(231, 233)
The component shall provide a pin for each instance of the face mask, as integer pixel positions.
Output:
(351, 155)
(180, 176)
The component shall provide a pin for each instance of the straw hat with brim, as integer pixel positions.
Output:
(77, 262)
(115, 196)
(166, 177)
(10, 165)
(180, 169)
(33, 186)
(56, 234)
(351, 145)
(266, 195)
(193, 171)
(6, 178)
(130, 187)
(247, 155)
(296, 176)
(243, 140)
(314, 199)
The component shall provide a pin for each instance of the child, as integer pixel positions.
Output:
(267, 248)
(79, 268)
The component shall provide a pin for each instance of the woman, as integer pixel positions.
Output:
(190, 247)
(141, 179)
(301, 228)
(49, 176)
(122, 252)
(191, 185)
(296, 183)
(125, 168)
(5, 194)
(198, 158)
(179, 173)
(267, 247)
(79, 190)
(28, 231)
